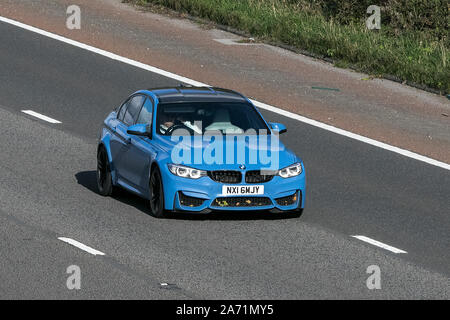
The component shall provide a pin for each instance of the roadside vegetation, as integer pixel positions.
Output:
(412, 44)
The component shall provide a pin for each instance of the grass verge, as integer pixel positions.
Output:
(414, 56)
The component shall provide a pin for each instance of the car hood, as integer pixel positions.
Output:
(259, 153)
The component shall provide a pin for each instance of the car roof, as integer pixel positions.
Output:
(196, 94)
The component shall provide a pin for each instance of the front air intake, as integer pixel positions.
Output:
(188, 201)
(235, 202)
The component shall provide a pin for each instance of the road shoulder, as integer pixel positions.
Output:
(379, 109)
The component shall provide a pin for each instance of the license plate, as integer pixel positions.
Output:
(242, 190)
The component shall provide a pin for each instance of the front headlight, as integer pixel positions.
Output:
(291, 171)
(186, 172)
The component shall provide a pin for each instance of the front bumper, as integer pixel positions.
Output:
(205, 195)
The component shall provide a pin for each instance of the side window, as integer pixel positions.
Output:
(122, 110)
(132, 111)
(145, 117)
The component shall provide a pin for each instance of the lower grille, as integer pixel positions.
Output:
(242, 202)
(189, 201)
(226, 176)
(287, 201)
(257, 176)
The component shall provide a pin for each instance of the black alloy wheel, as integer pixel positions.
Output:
(104, 178)
(156, 194)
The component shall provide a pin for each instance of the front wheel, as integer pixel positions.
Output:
(104, 178)
(156, 194)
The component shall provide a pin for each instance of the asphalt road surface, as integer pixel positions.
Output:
(48, 190)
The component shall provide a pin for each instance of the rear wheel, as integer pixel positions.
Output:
(156, 194)
(104, 178)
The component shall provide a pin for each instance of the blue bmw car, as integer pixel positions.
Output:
(198, 150)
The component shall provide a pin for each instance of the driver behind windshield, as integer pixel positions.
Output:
(167, 121)
(193, 117)
(170, 121)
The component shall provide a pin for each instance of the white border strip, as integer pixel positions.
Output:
(81, 246)
(40, 116)
(261, 105)
(379, 244)
(354, 136)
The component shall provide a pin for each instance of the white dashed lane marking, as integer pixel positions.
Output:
(40, 116)
(81, 246)
(379, 244)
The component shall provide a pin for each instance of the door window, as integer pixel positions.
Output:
(145, 117)
(122, 110)
(133, 109)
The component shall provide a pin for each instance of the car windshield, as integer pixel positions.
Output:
(200, 117)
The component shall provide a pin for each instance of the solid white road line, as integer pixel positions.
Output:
(379, 244)
(40, 116)
(81, 246)
(354, 136)
(261, 105)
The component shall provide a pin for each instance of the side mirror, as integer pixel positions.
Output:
(278, 127)
(139, 130)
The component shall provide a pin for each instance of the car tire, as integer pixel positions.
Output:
(156, 201)
(104, 177)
